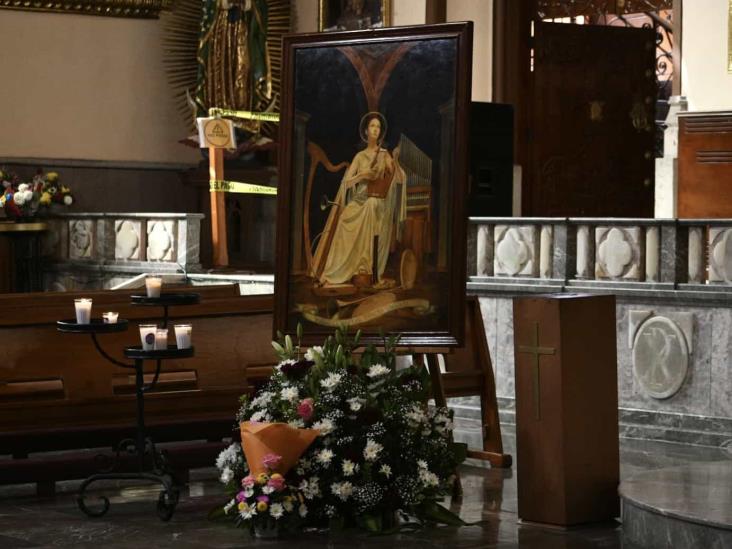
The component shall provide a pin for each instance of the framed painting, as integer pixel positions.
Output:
(341, 15)
(143, 9)
(371, 224)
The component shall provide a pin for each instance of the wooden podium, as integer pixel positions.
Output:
(566, 409)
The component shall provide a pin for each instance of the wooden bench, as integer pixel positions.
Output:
(58, 393)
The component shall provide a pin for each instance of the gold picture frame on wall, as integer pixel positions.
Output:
(340, 15)
(138, 9)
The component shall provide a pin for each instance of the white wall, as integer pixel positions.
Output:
(84, 87)
(408, 12)
(481, 13)
(704, 77)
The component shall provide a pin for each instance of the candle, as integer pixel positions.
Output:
(153, 285)
(147, 336)
(183, 336)
(110, 318)
(83, 310)
(161, 339)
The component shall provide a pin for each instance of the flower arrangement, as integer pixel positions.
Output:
(20, 199)
(380, 451)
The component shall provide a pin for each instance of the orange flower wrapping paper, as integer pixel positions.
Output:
(260, 439)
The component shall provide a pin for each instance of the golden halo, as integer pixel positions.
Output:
(362, 128)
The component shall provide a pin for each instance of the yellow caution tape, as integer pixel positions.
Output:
(245, 115)
(236, 187)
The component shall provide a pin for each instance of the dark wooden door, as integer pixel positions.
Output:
(592, 122)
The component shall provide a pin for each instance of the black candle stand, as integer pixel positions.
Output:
(152, 463)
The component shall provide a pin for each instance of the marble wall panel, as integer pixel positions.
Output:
(504, 360)
(721, 385)
(694, 395)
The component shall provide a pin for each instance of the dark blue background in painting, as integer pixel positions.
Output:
(327, 88)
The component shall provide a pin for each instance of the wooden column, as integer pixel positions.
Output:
(218, 210)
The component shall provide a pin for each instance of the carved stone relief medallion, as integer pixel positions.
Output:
(127, 239)
(516, 251)
(720, 258)
(80, 239)
(661, 351)
(160, 240)
(618, 253)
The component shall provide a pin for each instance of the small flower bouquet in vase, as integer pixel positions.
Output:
(369, 450)
(22, 201)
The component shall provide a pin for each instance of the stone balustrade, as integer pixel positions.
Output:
(672, 279)
(639, 255)
(101, 250)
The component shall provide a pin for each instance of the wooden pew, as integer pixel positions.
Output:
(58, 393)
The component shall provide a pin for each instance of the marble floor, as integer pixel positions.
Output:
(489, 498)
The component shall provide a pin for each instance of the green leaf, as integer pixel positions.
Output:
(370, 522)
(434, 512)
(299, 331)
(278, 348)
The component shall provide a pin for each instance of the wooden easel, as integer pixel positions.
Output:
(469, 372)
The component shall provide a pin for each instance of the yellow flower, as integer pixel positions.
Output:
(242, 506)
(65, 189)
(262, 478)
(261, 506)
(45, 199)
(51, 176)
(276, 476)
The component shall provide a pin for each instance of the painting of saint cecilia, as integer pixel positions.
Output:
(369, 214)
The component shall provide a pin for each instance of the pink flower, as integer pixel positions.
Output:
(248, 481)
(240, 497)
(265, 499)
(306, 408)
(278, 483)
(271, 461)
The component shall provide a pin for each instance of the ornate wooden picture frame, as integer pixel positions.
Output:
(140, 9)
(371, 223)
(340, 15)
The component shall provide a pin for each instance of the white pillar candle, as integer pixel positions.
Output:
(110, 318)
(183, 335)
(83, 310)
(161, 339)
(153, 284)
(147, 336)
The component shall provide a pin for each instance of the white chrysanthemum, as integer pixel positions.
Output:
(289, 394)
(428, 478)
(310, 488)
(229, 506)
(68, 200)
(283, 362)
(325, 456)
(331, 381)
(422, 464)
(372, 450)
(325, 426)
(349, 468)
(288, 505)
(248, 512)
(19, 198)
(303, 510)
(377, 370)
(342, 490)
(261, 415)
(227, 475)
(262, 400)
(23, 187)
(296, 424)
(276, 510)
(416, 415)
(355, 404)
(385, 470)
(313, 352)
(267, 489)
(228, 456)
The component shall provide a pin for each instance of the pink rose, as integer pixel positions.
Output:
(278, 483)
(271, 461)
(248, 481)
(306, 408)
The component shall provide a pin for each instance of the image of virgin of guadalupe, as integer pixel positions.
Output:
(367, 216)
